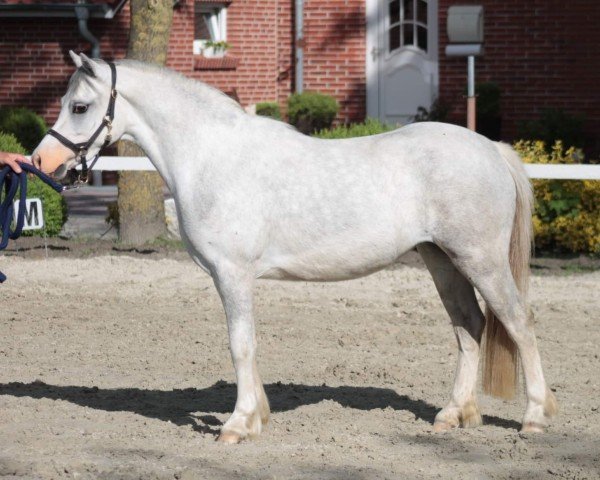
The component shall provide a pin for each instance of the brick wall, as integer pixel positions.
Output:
(541, 53)
(35, 66)
(335, 35)
(285, 53)
(252, 33)
(34, 58)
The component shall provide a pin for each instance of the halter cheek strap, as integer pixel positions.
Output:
(81, 149)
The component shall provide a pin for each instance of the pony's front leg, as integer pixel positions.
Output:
(252, 407)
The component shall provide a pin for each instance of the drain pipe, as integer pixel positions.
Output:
(83, 14)
(299, 43)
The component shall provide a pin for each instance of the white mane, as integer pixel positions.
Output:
(194, 88)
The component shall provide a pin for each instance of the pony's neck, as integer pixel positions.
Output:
(180, 124)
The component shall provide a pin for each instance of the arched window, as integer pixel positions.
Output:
(407, 24)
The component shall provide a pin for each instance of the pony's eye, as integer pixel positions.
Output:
(79, 108)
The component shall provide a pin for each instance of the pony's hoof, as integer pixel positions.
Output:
(230, 438)
(470, 416)
(550, 405)
(472, 422)
(532, 427)
(440, 427)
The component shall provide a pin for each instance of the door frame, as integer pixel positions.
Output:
(375, 46)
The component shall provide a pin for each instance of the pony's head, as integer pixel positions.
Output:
(83, 109)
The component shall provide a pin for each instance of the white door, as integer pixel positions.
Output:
(404, 59)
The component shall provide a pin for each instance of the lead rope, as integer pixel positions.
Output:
(10, 182)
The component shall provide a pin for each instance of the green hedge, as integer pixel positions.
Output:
(566, 216)
(438, 112)
(554, 125)
(269, 109)
(54, 204)
(9, 143)
(370, 126)
(311, 111)
(28, 127)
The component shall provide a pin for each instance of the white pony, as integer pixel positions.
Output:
(257, 199)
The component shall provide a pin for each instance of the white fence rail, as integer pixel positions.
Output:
(558, 172)
(576, 171)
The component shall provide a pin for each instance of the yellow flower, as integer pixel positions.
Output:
(576, 230)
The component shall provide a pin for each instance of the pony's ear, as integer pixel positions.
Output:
(75, 58)
(87, 65)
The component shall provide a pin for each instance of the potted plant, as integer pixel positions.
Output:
(212, 49)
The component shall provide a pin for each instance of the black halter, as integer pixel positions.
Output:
(81, 149)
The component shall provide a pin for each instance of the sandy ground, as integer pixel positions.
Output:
(118, 367)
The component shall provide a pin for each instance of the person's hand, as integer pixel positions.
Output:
(12, 160)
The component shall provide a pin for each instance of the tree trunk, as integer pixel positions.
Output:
(140, 200)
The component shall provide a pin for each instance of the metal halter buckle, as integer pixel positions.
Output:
(108, 122)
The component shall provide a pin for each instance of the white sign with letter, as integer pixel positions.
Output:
(34, 216)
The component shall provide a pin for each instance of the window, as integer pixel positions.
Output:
(210, 24)
(407, 24)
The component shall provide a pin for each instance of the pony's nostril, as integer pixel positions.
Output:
(37, 161)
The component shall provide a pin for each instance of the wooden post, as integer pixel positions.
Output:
(471, 106)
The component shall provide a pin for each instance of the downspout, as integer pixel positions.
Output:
(299, 44)
(83, 14)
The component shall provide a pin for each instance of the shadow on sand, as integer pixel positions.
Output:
(186, 407)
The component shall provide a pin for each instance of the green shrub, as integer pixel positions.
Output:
(9, 143)
(488, 119)
(311, 111)
(370, 126)
(554, 125)
(269, 109)
(28, 127)
(488, 99)
(566, 215)
(53, 204)
(438, 112)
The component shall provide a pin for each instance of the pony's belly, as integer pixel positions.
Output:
(334, 265)
(316, 275)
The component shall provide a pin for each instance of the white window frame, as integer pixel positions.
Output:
(217, 27)
(402, 23)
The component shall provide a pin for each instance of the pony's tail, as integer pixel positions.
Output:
(500, 357)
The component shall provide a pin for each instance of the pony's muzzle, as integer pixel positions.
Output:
(52, 158)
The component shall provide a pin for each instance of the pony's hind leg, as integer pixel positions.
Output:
(494, 280)
(252, 407)
(458, 298)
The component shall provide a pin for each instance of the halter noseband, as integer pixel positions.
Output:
(81, 149)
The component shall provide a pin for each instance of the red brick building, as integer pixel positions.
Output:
(383, 58)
